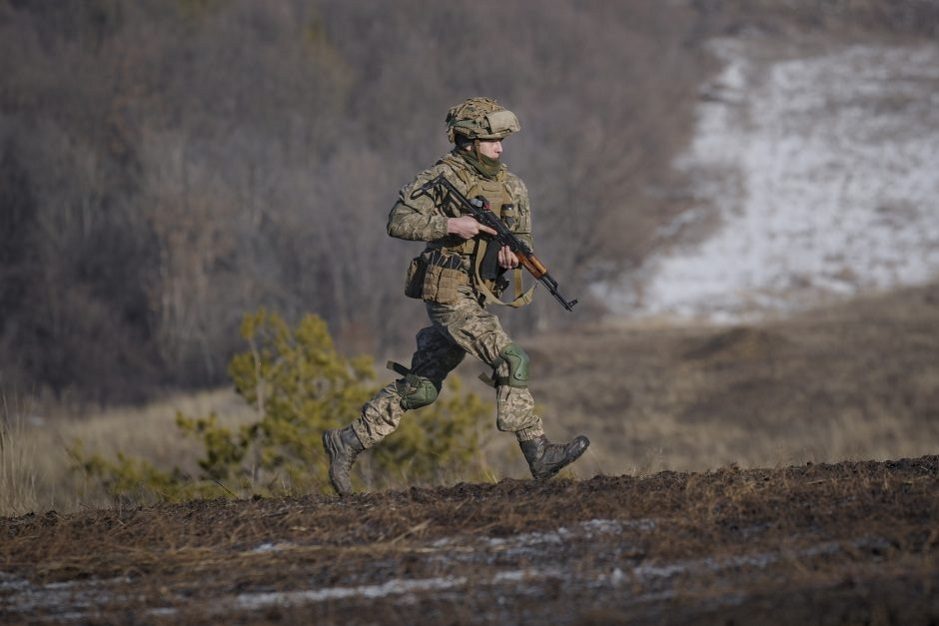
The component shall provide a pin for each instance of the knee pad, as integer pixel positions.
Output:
(416, 391)
(518, 361)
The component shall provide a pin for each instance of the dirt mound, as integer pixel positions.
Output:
(740, 343)
(844, 543)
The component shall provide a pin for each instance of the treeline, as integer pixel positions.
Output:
(168, 165)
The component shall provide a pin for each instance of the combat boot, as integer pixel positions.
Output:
(545, 459)
(342, 446)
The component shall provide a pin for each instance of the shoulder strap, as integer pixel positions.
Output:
(458, 168)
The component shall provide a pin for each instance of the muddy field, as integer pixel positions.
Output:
(851, 543)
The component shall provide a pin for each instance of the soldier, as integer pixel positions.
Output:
(447, 277)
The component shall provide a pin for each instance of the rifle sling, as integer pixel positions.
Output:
(521, 299)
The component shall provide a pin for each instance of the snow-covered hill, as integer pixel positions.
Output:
(824, 171)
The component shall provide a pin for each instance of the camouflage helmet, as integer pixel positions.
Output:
(480, 118)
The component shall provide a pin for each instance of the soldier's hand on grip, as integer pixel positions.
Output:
(507, 258)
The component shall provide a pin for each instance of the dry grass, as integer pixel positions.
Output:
(853, 381)
(36, 465)
(858, 381)
(17, 469)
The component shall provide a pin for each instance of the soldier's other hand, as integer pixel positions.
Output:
(507, 259)
(466, 227)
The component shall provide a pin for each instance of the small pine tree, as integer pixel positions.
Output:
(299, 385)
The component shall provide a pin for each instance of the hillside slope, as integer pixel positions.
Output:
(859, 380)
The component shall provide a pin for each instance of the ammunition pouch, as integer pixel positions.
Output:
(414, 284)
(436, 276)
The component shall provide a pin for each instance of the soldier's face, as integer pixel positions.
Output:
(491, 148)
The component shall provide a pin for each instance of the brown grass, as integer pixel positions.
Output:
(35, 461)
(853, 381)
(17, 468)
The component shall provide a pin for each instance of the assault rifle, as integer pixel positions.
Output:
(479, 209)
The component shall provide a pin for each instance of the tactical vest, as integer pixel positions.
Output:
(474, 250)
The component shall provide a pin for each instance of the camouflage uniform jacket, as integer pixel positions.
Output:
(422, 217)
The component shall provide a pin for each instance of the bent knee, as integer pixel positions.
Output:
(518, 365)
(417, 391)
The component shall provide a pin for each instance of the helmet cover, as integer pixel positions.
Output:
(480, 118)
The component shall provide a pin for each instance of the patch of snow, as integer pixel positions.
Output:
(164, 611)
(10, 583)
(583, 531)
(522, 575)
(70, 600)
(825, 174)
(267, 547)
(760, 560)
(254, 601)
(617, 577)
(588, 529)
(646, 581)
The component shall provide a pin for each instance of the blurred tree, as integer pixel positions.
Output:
(165, 166)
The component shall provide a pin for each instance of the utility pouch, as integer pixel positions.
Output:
(510, 216)
(414, 284)
(442, 278)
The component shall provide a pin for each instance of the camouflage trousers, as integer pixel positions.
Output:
(457, 329)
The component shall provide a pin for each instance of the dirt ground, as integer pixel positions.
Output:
(849, 543)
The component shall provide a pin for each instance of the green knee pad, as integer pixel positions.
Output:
(518, 362)
(416, 391)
